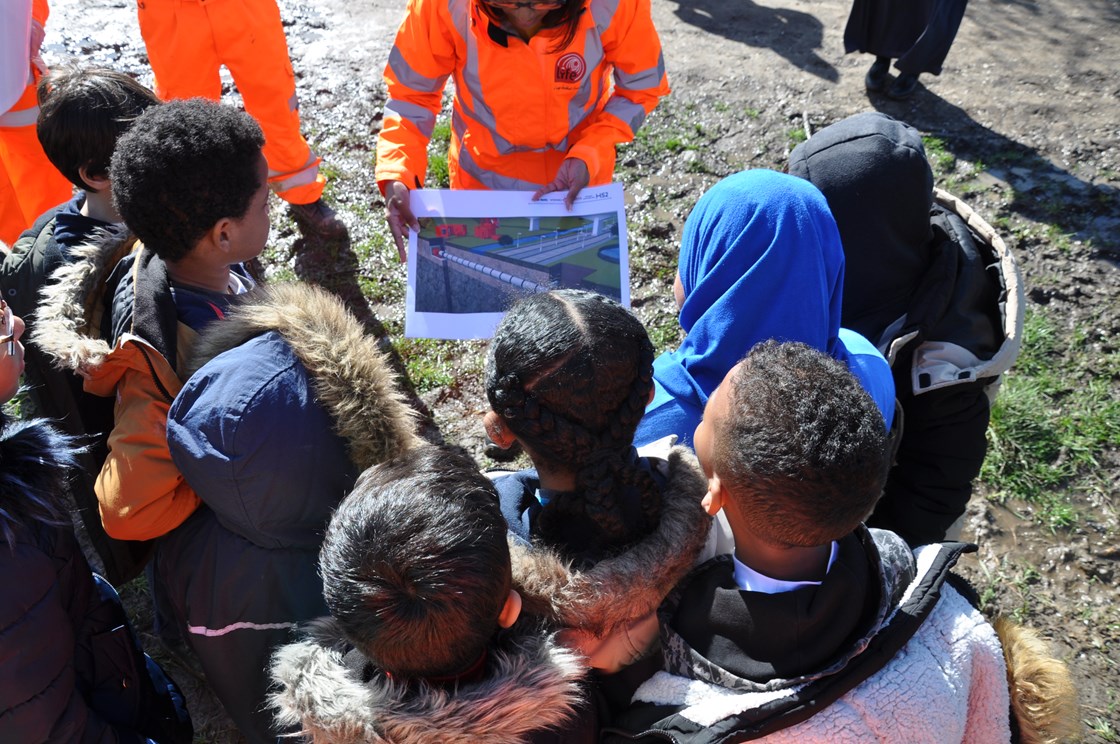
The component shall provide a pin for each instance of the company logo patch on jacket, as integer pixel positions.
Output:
(570, 68)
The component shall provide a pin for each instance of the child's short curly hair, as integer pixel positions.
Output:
(82, 114)
(415, 564)
(802, 447)
(182, 167)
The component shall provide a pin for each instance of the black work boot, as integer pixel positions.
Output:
(904, 86)
(876, 78)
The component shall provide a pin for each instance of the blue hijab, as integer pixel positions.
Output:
(760, 259)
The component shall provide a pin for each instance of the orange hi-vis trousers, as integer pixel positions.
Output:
(29, 184)
(189, 40)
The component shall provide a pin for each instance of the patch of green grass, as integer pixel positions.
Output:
(378, 247)
(797, 135)
(752, 113)
(672, 144)
(943, 161)
(386, 289)
(1008, 587)
(1054, 414)
(331, 171)
(664, 336)
(666, 139)
(438, 176)
(1103, 729)
(433, 363)
(430, 362)
(1008, 157)
(14, 407)
(1056, 236)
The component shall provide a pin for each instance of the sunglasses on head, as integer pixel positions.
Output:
(534, 5)
(8, 327)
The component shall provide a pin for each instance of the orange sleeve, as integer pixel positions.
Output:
(632, 46)
(422, 58)
(141, 493)
(40, 11)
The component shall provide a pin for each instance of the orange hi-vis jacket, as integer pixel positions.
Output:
(188, 41)
(520, 107)
(29, 183)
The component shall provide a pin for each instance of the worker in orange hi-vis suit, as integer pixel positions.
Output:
(29, 184)
(189, 40)
(544, 91)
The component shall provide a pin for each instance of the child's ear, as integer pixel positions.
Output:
(510, 610)
(221, 234)
(497, 430)
(92, 182)
(713, 499)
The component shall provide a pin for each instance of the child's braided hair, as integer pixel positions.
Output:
(570, 373)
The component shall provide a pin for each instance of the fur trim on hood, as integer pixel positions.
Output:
(619, 590)
(1043, 696)
(353, 380)
(532, 683)
(69, 314)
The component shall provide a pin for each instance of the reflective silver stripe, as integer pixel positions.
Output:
(293, 102)
(643, 78)
(579, 105)
(410, 77)
(22, 118)
(475, 111)
(504, 146)
(424, 119)
(478, 110)
(490, 179)
(458, 126)
(631, 113)
(305, 175)
(202, 630)
(460, 16)
(603, 12)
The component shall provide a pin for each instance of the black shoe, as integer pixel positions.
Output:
(876, 77)
(903, 87)
(318, 219)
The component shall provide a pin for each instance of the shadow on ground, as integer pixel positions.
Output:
(1038, 189)
(790, 33)
(333, 265)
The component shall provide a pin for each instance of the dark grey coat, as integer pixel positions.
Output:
(71, 669)
(916, 33)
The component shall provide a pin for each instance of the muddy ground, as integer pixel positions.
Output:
(1027, 111)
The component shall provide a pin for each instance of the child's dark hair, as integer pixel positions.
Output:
(802, 447)
(415, 564)
(33, 476)
(82, 114)
(570, 373)
(565, 17)
(182, 167)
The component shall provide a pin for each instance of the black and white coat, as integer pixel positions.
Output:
(928, 668)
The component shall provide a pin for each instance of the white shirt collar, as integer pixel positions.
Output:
(750, 580)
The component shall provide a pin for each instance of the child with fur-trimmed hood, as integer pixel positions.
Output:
(600, 532)
(288, 400)
(815, 628)
(424, 641)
